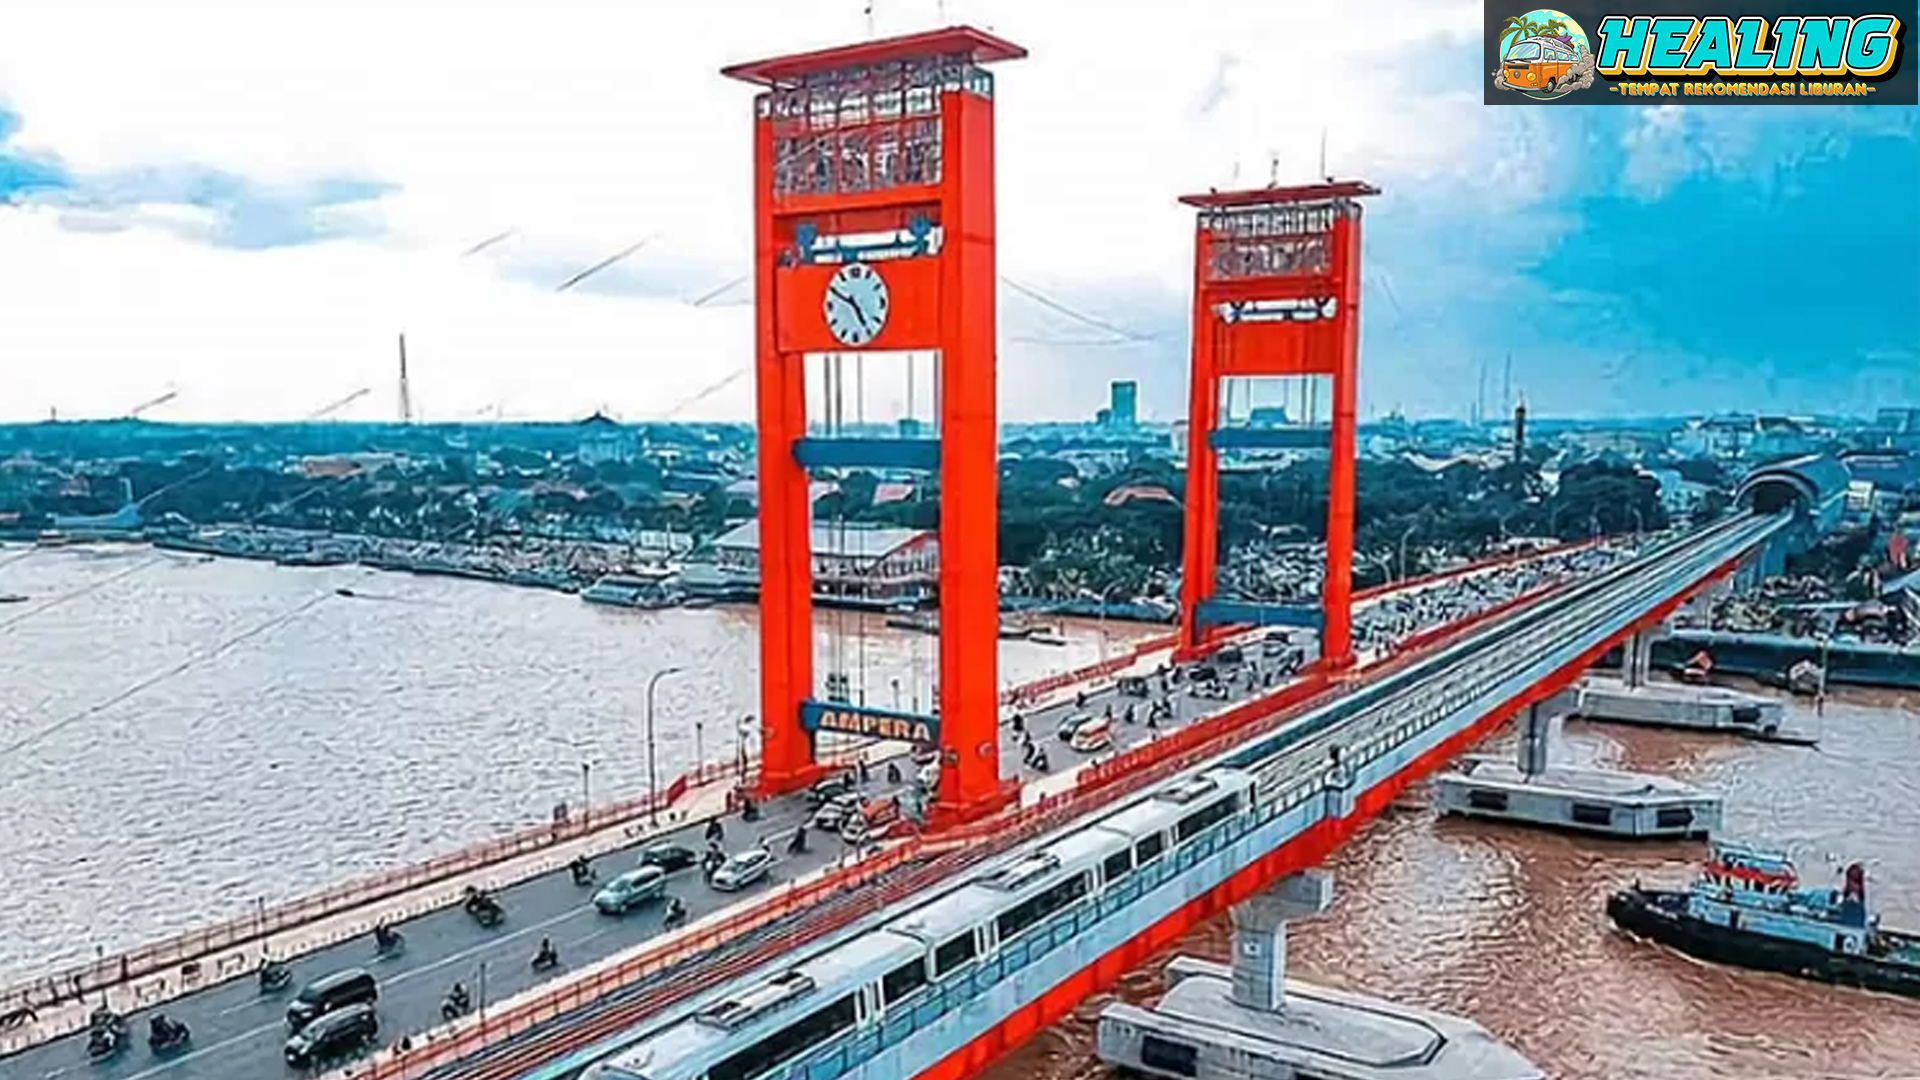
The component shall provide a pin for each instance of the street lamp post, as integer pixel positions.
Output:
(1404, 537)
(699, 744)
(586, 794)
(1104, 594)
(653, 778)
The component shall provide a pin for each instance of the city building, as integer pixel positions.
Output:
(604, 439)
(858, 565)
(1123, 408)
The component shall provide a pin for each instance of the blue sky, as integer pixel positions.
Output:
(303, 205)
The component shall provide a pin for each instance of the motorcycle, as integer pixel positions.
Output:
(484, 908)
(275, 977)
(167, 1037)
(454, 1006)
(107, 1038)
(547, 958)
(583, 872)
(388, 945)
(676, 913)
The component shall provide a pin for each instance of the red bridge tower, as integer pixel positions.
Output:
(1276, 292)
(874, 231)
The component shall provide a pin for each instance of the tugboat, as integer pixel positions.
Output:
(1749, 909)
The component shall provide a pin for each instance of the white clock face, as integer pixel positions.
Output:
(855, 304)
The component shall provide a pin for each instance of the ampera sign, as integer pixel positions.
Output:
(869, 723)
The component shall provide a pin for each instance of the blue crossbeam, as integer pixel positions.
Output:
(1217, 612)
(825, 453)
(1286, 438)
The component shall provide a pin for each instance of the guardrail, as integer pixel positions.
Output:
(186, 948)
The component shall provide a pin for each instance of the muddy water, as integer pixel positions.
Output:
(1506, 926)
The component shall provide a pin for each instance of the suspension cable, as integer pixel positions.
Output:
(78, 593)
(157, 678)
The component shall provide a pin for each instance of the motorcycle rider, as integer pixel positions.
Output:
(548, 955)
(162, 1030)
(457, 997)
(676, 911)
(581, 869)
(384, 938)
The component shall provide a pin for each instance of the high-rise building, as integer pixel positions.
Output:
(1123, 409)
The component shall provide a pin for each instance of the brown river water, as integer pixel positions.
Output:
(1505, 925)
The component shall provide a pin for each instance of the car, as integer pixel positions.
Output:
(669, 857)
(630, 890)
(876, 820)
(1093, 736)
(834, 812)
(924, 753)
(335, 1035)
(830, 788)
(1229, 655)
(354, 986)
(1072, 724)
(742, 869)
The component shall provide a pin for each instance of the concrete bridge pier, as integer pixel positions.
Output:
(1247, 1021)
(1260, 936)
(1541, 730)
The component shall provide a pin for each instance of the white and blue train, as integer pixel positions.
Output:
(857, 1002)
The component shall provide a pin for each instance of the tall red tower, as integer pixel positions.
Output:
(874, 231)
(1276, 292)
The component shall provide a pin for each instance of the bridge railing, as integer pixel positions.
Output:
(186, 949)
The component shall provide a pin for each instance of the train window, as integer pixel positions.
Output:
(952, 954)
(1148, 849)
(1118, 865)
(1035, 909)
(903, 980)
(787, 1043)
(1201, 820)
(1673, 817)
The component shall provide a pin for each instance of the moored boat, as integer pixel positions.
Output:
(1747, 908)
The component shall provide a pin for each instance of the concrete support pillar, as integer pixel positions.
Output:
(1537, 736)
(1260, 936)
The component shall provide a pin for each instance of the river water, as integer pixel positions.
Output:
(182, 739)
(1505, 925)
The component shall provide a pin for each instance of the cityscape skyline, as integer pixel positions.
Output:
(260, 254)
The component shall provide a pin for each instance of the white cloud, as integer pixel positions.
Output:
(588, 125)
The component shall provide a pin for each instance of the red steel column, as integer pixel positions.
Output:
(1200, 553)
(1336, 642)
(786, 558)
(969, 467)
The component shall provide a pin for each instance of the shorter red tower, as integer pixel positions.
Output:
(1276, 292)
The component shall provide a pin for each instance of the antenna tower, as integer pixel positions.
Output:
(406, 391)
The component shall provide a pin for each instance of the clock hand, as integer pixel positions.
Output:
(857, 313)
